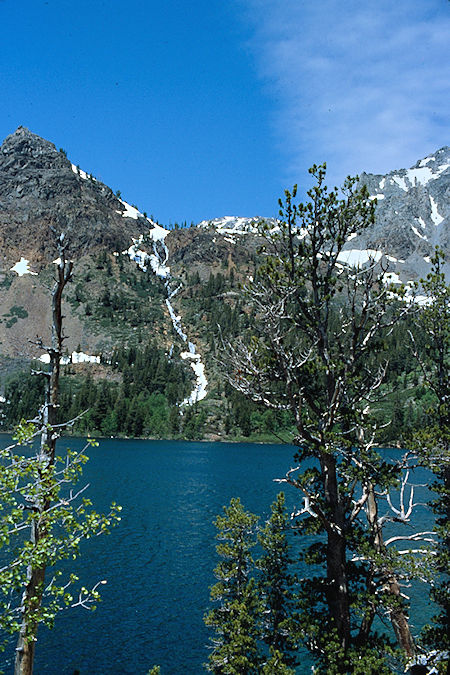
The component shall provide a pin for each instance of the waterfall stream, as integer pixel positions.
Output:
(158, 260)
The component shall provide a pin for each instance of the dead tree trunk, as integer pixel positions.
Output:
(33, 593)
(397, 614)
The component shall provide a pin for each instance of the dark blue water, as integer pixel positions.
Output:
(158, 562)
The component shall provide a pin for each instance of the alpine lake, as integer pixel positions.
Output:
(158, 562)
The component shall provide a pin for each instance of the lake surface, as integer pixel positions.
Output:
(158, 562)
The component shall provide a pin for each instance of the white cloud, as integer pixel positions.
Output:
(363, 86)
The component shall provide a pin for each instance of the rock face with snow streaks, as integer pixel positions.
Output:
(412, 217)
(412, 214)
(41, 189)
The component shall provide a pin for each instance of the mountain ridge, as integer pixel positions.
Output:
(42, 193)
(137, 283)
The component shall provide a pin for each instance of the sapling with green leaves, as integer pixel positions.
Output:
(44, 516)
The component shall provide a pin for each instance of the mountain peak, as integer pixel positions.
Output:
(435, 159)
(40, 190)
(22, 134)
(24, 149)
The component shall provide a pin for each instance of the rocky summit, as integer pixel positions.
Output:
(42, 192)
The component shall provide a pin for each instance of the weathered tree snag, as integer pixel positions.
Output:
(32, 596)
(397, 614)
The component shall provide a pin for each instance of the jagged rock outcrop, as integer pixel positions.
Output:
(40, 189)
(412, 215)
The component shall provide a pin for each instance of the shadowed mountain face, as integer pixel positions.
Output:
(40, 190)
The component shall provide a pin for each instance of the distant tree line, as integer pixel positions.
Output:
(144, 403)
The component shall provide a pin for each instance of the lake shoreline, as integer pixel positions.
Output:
(211, 439)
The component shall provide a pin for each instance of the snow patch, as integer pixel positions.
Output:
(156, 259)
(75, 357)
(237, 225)
(157, 233)
(130, 211)
(378, 196)
(441, 168)
(79, 172)
(421, 175)
(22, 267)
(435, 215)
(138, 256)
(160, 270)
(392, 278)
(176, 321)
(231, 225)
(418, 234)
(356, 257)
(81, 357)
(200, 391)
(423, 300)
(400, 182)
(425, 161)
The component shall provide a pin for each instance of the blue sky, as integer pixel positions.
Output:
(212, 107)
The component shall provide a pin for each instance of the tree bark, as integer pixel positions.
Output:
(337, 584)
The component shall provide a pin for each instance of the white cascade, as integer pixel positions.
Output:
(158, 260)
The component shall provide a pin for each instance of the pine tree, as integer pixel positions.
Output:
(276, 665)
(432, 442)
(276, 585)
(317, 350)
(235, 621)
